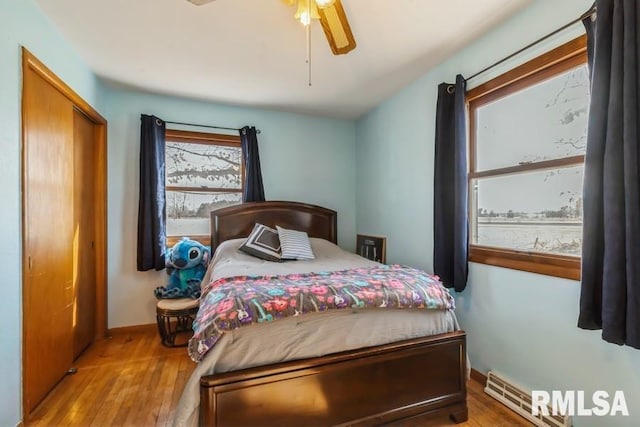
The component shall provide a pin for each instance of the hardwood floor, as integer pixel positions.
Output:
(129, 379)
(132, 380)
(484, 411)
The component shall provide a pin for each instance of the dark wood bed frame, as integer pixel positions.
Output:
(390, 383)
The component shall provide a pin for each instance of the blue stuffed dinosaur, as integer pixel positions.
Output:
(186, 264)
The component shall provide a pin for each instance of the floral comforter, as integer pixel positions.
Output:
(234, 302)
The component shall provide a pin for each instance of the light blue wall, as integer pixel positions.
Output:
(303, 158)
(22, 23)
(520, 324)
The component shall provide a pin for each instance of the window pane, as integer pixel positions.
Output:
(202, 165)
(546, 217)
(188, 213)
(542, 122)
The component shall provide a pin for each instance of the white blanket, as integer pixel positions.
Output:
(310, 335)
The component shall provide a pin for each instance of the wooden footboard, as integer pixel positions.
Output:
(371, 386)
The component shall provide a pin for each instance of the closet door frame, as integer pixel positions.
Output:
(31, 64)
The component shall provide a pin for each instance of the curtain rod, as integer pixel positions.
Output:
(205, 126)
(587, 14)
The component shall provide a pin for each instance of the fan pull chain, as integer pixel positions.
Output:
(309, 43)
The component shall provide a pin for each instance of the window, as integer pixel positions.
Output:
(203, 172)
(527, 142)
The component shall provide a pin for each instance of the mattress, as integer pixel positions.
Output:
(300, 337)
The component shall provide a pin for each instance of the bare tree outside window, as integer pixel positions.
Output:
(528, 140)
(541, 210)
(203, 173)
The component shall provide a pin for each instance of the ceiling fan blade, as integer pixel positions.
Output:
(337, 29)
(200, 2)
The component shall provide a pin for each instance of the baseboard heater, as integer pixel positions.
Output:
(519, 400)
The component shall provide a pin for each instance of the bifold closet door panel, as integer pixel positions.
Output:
(48, 237)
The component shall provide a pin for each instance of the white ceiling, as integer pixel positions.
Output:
(252, 52)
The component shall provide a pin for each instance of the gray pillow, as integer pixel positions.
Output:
(263, 243)
(295, 244)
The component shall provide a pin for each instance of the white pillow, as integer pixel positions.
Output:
(295, 244)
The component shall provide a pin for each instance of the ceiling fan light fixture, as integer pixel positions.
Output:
(307, 10)
(332, 18)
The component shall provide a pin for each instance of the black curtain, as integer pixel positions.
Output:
(589, 28)
(253, 187)
(610, 289)
(451, 229)
(151, 207)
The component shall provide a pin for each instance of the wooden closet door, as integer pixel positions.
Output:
(84, 252)
(48, 237)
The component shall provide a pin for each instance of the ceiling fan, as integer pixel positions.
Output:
(332, 18)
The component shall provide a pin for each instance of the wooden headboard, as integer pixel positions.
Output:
(237, 221)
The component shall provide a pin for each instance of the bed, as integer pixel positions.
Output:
(365, 367)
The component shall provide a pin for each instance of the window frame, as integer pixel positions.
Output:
(556, 61)
(205, 138)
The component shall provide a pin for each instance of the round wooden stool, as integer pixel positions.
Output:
(175, 317)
